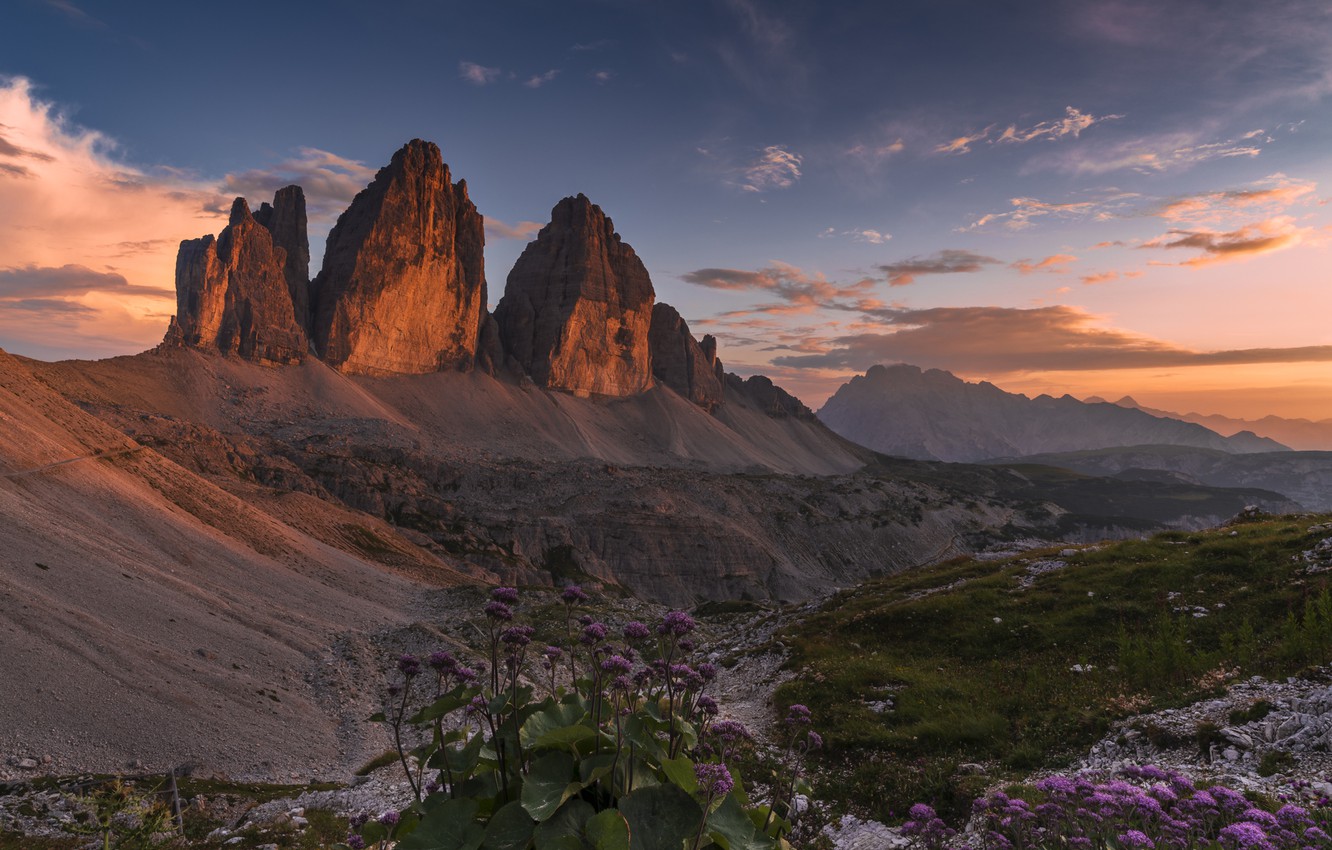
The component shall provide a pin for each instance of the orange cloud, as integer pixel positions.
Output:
(1106, 277)
(962, 144)
(1275, 194)
(799, 291)
(947, 261)
(1055, 263)
(1264, 237)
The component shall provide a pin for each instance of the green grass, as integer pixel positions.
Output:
(968, 688)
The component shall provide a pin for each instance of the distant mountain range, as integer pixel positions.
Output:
(930, 414)
(1298, 434)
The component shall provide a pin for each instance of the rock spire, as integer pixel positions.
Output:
(577, 307)
(403, 287)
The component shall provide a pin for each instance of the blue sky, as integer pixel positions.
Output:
(1097, 197)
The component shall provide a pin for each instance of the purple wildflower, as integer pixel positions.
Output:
(593, 633)
(517, 635)
(507, 595)
(1136, 838)
(707, 706)
(714, 780)
(443, 662)
(389, 818)
(1245, 836)
(637, 631)
(708, 671)
(498, 611)
(356, 842)
(573, 594)
(617, 665)
(410, 665)
(676, 623)
(813, 741)
(798, 715)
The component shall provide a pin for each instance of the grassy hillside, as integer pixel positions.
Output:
(1024, 663)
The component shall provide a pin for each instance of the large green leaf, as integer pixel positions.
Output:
(510, 828)
(564, 830)
(446, 704)
(551, 717)
(592, 768)
(451, 826)
(551, 782)
(732, 825)
(608, 830)
(681, 772)
(661, 817)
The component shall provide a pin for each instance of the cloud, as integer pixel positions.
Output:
(603, 77)
(1104, 206)
(867, 235)
(947, 261)
(1264, 237)
(962, 144)
(84, 227)
(1072, 124)
(1106, 277)
(798, 291)
(1145, 154)
(1005, 339)
(1275, 194)
(478, 75)
(1055, 264)
(75, 14)
(536, 81)
(69, 280)
(330, 181)
(599, 44)
(525, 230)
(776, 168)
(871, 155)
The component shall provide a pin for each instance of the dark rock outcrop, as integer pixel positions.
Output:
(403, 288)
(680, 362)
(232, 294)
(285, 220)
(768, 397)
(577, 307)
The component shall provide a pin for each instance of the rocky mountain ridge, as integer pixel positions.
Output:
(403, 290)
(1305, 435)
(933, 415)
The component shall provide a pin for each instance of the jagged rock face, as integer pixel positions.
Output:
(577, 307)
(403, 287)
(232, 295)
(767, 396)
(285, 220)
(679, 362)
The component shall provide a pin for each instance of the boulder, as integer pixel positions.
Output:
(680, 362)
(403, 287)
(577, 307)
(232, 294)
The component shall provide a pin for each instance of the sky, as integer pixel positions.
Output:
(1101, 197)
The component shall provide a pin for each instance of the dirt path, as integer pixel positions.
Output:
(96, 456)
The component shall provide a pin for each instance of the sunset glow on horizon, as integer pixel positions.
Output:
(1111, 198)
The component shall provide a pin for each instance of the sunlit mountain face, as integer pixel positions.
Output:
(1089, 198)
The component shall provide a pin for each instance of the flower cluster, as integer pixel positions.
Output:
(1145, 809)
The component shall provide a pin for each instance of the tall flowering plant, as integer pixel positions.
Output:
(625, 741)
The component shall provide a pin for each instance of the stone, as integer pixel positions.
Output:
(680, 362)
(27, 764)
(403, 286)
(232, 294)
(577, 307)
(285, 221)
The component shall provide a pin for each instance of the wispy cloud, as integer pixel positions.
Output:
(602, 77)
(962, 144)
(1025, 211)
(1105, 277)
(536, 81)
(330, 181)
(1216, 246)
(947, 261)
(1276, 193)
(1070, 126)
(1147, 154)
(865, 234)
(1004, 339)
(478, 75)
(1054, 264)
(592, 46)
(525, 230)
(775, 168)
(797, 290)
